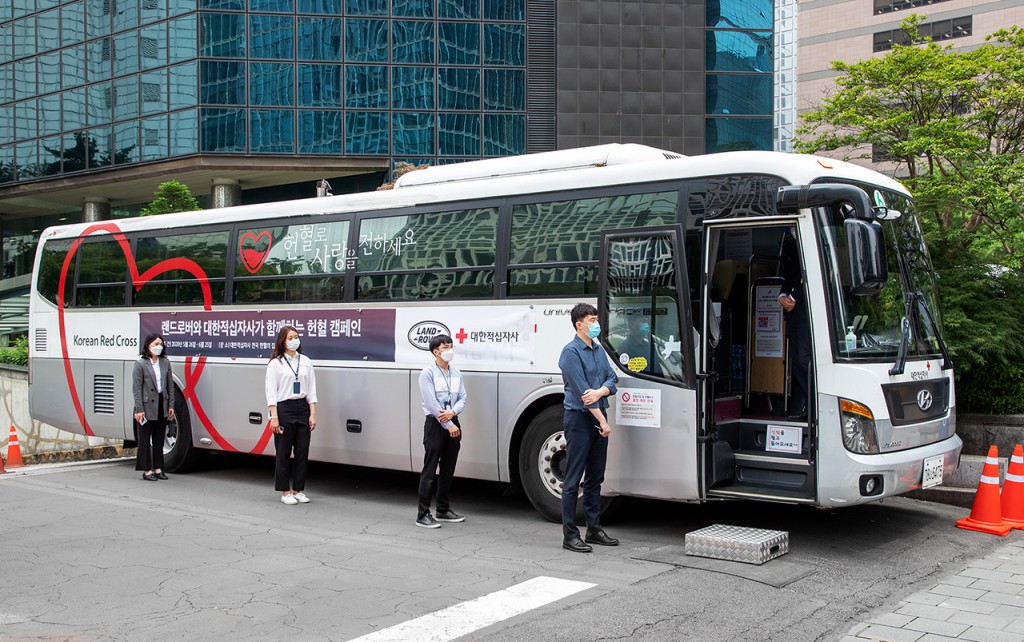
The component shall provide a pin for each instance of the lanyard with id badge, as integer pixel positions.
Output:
(295, 384)
(448, 383)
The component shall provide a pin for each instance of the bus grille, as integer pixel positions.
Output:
(903, 401)
(103, 394)
(40, 339)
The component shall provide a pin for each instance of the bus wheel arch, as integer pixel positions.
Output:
(180, 454)
(540, 455)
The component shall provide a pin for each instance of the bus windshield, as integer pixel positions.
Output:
(870, 327)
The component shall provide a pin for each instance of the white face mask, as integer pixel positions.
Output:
(156, 349)
(292, 345)
(448, 355)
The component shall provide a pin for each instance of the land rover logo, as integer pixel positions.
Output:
(421, 333)
(924, 399)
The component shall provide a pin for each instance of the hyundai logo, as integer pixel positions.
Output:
(924, 399)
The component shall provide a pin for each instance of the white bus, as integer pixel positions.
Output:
(495, 253)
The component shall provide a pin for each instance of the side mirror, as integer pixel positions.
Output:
(865, 246)
(793, 198)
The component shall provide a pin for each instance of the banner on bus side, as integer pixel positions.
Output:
(346, 335)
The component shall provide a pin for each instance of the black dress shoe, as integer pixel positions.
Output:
(598, 536)
(576, 545)
(160, 475)
(150, 477)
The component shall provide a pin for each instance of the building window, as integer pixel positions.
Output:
(888, 6)
(936, 31)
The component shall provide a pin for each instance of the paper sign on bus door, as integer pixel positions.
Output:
(784, 439)
(638, 407)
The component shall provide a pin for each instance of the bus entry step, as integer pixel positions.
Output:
(736, 543)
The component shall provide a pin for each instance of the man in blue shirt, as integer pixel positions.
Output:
(589, 380)
(444, 397)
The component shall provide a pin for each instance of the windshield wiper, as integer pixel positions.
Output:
(947, 363)
(914, 297)
(901, 356)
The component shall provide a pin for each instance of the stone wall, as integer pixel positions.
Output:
(981, 431)
(39, 441)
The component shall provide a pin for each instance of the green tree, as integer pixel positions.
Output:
(953, 122)
(171, 197)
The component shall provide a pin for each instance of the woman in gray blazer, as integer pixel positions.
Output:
(153, 389)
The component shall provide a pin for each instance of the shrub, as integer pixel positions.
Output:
(16, 355)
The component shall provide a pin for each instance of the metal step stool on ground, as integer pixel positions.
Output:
(737, 543)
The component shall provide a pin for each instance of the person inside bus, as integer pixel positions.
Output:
(793, 299)
(589, 380)
(153, 390)
(443, 394)
(291, 398)
(638, 347)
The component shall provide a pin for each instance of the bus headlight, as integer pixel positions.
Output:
(858, 426)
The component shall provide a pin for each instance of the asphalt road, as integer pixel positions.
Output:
(92, 552)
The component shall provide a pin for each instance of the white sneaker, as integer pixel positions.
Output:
(301, 497)
(289, 499)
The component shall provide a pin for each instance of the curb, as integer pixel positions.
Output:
(82, 454)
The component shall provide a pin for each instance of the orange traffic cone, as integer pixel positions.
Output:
(14, 451)
(1012, 499)
(985, 515)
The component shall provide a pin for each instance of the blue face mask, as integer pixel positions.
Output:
(645, 329)
(594, 330)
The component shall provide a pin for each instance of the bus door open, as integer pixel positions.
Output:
(647, 329)
(751, 447)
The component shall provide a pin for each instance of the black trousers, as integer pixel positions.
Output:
(586, 453)
(439, 447)
(293, 419)
(150, 455)
(798, 328)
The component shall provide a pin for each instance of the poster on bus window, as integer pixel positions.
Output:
(493, 335)
(344, 335)
(768, 337)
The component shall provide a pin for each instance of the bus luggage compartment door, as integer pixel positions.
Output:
(104, 402)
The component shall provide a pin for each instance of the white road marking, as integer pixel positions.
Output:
(466, 617)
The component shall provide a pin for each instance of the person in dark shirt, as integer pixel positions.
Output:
(589, 380)
(793, 300)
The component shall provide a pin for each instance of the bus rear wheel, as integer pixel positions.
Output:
(180, 455)
(542, 463)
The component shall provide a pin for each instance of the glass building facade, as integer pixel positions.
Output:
(739, 75)
(96, 84)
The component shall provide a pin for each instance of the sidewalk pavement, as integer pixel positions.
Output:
(983, 602)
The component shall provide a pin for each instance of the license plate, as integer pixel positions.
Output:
(932, 475)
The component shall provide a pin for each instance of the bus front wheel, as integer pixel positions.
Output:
(542, 462)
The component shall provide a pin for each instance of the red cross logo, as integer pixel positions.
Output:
(461, 336)
(928, 364)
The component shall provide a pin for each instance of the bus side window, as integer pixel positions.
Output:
(555, 245)
(50, 267)
(102, 274)
(433, 255)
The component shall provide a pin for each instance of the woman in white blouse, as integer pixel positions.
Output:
(153, 390)
(291, 399)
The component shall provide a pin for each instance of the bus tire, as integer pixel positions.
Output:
(542, 467)
(180, 455)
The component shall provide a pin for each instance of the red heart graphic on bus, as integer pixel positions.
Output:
(253, 257)
(191, 375)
